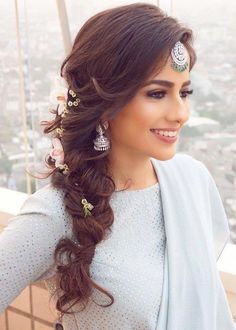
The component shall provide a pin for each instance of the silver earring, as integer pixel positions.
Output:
(101, 142)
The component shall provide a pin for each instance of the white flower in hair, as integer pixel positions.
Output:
(57, 152)
(58, 94)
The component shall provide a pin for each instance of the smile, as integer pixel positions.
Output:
(166, 138)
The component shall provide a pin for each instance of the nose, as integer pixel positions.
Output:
(178, 110)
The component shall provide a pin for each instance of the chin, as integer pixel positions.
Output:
(164, 155)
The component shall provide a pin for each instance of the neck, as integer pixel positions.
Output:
(136, 169)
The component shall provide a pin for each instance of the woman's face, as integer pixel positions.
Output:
(161, 105)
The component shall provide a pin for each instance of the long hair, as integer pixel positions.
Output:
(112, 55)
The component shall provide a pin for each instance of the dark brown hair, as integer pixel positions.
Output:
(115, 51)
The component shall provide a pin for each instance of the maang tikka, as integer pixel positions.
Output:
(101, 142)
(179, 57)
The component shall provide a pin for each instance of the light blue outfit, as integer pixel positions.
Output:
(159, 262)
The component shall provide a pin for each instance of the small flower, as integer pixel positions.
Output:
(58, 95)
(59, 92)
(87, 207)
(64, 168)
(62, 109)
(60, 131)
(57, 152)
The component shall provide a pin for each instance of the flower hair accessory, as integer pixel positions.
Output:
(64, 97)
(87, 207)
(59, 96)
(57, 153)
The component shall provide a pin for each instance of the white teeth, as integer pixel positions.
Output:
(165, 133)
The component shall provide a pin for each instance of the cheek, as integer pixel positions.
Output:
(137, 118)
(147, 115)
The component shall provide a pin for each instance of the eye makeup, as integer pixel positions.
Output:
(161, 93)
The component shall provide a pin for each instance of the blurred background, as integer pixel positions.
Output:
(34, 39)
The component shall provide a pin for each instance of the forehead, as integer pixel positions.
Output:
(167, 72)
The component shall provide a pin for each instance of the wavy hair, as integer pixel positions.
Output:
(114, 52)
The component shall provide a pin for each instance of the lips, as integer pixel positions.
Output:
(168, 139)
(165, 129)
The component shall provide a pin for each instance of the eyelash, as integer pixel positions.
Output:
(188, 92)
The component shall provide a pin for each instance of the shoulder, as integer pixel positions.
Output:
(189, 163)
(185, 166)
(49, 202)
(44, 199)
(42, 212)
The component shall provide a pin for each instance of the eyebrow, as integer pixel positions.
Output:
(165, 83)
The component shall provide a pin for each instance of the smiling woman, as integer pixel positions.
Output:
(140, 258)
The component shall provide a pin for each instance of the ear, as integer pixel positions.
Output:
(105, 124)
(104, 120)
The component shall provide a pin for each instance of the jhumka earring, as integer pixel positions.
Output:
(179, 57)
(101, 142)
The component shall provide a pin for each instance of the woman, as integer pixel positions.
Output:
(118, 256)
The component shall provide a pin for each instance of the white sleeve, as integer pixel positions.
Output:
(27, 245)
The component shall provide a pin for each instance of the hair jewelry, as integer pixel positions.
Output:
(59, 96)
(87, 207)
(57, 153)
(179, 57)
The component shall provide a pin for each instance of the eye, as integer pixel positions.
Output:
(186, 93)
(157, 94)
